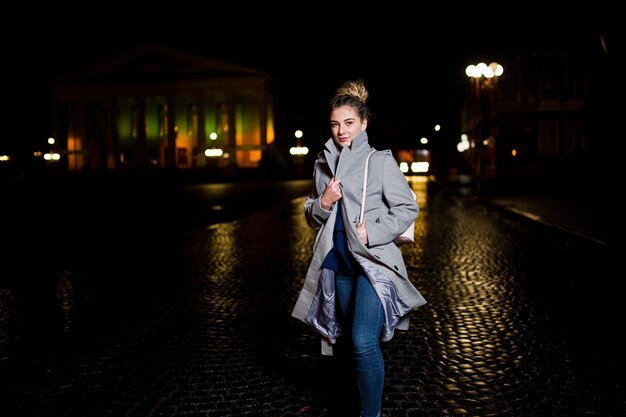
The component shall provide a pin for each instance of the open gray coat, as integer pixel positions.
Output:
(389, 210)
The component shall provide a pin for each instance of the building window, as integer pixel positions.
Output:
(574, 137)
(548, 137)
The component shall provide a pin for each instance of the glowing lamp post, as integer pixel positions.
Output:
(483, 73)
(298, 150)
(51, 156)
(213, 152)
(484, 79)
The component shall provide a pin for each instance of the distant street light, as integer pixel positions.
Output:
(51, 156)
(213, 152)
(298, 150)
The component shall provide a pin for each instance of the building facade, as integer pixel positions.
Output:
(157, 107)
(545, 116)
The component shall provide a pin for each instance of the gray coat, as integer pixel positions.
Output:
(389, 210)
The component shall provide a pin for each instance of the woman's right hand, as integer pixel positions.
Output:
(331, 194)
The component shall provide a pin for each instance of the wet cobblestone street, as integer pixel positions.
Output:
(521, 321)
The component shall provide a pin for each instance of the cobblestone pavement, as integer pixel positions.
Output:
(520, 321)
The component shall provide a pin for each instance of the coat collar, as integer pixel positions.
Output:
(359, 146)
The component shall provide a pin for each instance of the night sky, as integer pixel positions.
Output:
(413, 63)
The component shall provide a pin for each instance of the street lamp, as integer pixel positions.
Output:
(213, 152)
(484, 72)
(298, 150)
(484, 79)
(51, 156)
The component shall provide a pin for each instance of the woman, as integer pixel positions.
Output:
(357, 285)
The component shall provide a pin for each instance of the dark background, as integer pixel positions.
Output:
(412, 60)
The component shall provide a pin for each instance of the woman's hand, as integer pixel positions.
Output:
(331, 194)
(361, 231)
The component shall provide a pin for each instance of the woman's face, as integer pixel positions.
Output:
(345, 125)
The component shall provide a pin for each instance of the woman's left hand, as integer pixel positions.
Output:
(362, 232)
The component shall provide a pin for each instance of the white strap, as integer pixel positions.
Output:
(365, 186)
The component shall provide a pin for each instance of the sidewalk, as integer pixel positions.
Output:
(587, 209)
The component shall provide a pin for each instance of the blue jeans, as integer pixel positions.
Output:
(361, 315)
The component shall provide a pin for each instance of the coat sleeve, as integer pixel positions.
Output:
(315, 215)
(400, 208)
